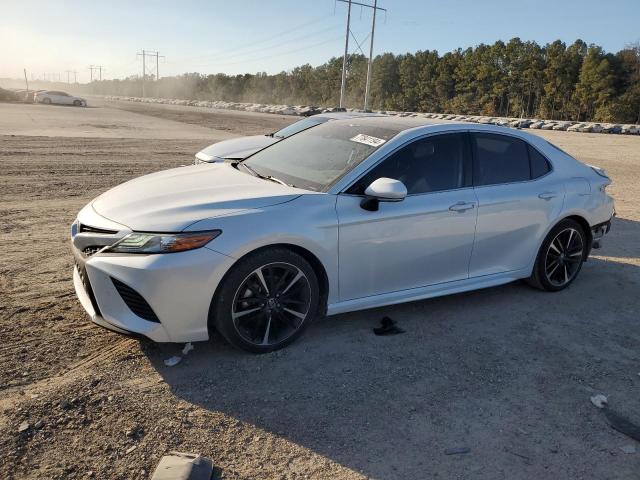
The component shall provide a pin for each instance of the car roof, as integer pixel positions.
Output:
(347, 115)
(385, 121)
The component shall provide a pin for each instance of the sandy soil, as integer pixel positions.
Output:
(506, 372)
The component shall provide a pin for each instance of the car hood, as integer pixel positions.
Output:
(171, 200)
(237, 148)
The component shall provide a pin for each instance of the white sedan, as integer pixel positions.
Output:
(60, 98)
(348, 215)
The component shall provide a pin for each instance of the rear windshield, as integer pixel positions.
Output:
(316, 158)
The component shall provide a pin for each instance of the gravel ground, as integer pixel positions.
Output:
(506, 372)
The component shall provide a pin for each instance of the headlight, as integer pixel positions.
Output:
(163, 242)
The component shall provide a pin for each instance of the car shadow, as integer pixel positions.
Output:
(501, 370)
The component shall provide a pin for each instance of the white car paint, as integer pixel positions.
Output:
(423, 246)
(59, 98)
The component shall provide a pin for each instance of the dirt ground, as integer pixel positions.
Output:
(506, 372)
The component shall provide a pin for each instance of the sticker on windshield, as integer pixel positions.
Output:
(368, 140)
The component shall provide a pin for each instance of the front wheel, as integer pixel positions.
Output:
(77, 103)
(46, 101)
(560, 257)
(266, 300)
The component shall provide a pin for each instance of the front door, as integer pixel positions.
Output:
(423, 240)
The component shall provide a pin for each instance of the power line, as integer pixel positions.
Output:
(270, 47)
(260, 41)
(285, 53)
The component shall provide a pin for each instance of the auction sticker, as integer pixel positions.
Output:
(368, 140)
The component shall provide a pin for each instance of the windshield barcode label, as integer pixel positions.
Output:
(368, 140)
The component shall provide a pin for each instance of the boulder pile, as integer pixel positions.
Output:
(305, 111)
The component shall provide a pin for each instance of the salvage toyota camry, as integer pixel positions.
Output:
(348, 215)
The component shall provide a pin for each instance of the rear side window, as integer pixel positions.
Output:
(499, 159)
(539, 164)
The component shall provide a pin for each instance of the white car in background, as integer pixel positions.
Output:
(348, 215)
(241, 148)
(59, 98)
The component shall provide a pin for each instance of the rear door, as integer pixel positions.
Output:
(518, 196)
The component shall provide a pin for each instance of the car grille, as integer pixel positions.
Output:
(82, 228)
(135, 302)
(82, 272)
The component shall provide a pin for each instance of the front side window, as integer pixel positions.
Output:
(499, 159)
(317, 157)
(431, 164)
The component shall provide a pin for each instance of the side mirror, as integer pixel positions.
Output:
(383, 190)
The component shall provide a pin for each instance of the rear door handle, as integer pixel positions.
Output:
(547, 195)
(462, 206)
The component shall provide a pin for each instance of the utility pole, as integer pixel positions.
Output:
(75, 77)
(99, 68)
(91, 75)
(375, 8)
(25, 80)
(68, 72)
(145, 54)
(344, 59)
(373, 31)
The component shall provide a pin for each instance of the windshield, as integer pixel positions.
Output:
(315, 158)
(299, 126)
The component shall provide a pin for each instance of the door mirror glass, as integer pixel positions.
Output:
(383, 190)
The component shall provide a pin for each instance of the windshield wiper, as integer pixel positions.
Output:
(277, 180)
(265, 177)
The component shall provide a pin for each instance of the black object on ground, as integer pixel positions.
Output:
(457, 451)
(388, 327)
(622, 424)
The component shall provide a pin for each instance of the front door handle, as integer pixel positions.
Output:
(547, 195)
(462, 206)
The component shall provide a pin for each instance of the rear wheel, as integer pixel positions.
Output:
(266, 301)
(560, 257)
(46, 101)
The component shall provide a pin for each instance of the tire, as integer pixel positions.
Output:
(560, 258)
(266, 300)
(77, 103)
(46, 101)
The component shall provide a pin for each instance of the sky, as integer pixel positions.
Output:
(239, 36)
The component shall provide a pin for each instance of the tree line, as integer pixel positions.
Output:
(518, 78)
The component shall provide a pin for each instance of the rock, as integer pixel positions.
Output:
(130, 449)
(24, 426)
(39, 424)
(599, 400)
(183, 466)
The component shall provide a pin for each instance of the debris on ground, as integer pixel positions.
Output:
(388, 327)
(172, 362)
(187, 348)
(628, 449)
(457, 451)
(183, 466)
(24, 426)
(599, 400)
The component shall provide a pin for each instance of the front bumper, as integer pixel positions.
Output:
(179, 288)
